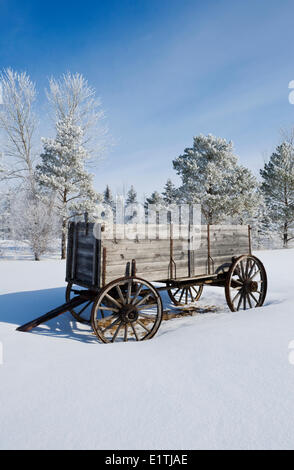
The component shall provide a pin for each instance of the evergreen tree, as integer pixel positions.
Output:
(278, 189)
(170, 193)
(211, 177)
(131, 196)
(62, 170)
(107, 197)
(155, 198)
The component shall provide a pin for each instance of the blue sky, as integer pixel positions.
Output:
(166, 70)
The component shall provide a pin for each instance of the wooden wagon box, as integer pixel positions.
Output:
(97, 255)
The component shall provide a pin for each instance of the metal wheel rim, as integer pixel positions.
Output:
(185, 295)
(246, 284)
(111, 316)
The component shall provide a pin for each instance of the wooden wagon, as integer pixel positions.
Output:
(115, 275)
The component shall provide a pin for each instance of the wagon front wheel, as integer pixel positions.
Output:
(246, 283)
(185, 295)
(82, 314)
(127, 309)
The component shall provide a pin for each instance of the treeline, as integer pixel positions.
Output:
(46, 182)
(228, 192)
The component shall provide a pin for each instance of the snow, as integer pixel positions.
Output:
(211, 381)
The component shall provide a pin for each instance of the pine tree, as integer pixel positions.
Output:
(62, 170)
(155, 198)
(278, 189)
(107, 197)
(211, 177)
(170, 193)
(131, 209)
(131, 196)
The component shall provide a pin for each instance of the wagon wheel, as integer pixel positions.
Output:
(135, 313)
(82, 313)
(246, 283)
(185, 295)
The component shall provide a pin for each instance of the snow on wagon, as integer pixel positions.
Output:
(115, 278)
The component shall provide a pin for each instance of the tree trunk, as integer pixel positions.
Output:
(37, 256)
(63, 240)
(64, 229)
(285, 236)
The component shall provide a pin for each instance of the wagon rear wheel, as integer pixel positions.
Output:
(133, 314)
(82, 314)
(185, 295)
(246, 283)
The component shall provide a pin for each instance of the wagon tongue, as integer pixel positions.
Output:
(75, 302)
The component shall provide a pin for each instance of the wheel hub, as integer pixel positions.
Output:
(128, 314)
(251, 286)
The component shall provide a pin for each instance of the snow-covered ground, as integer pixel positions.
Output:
(211, 381)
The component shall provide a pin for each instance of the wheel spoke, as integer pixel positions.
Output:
(254, 275)
(115, 302)
(240, 300)
(244, 301)
(147, 315)
(120, 294)
(117, 331)
(249, 301)
(137, 293)
(181, 296)
(109, 309)
(135, 333)
(84, 308)
(143, 326)
(256, 301)
(126, 333)
(242, 270)
(236, 296)
(192, 298)
(251, 269)
(129, 291)
(143, 300)
(111, 325)
(141, 307)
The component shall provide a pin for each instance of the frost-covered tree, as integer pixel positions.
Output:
(71, 97)
(62, 170)
(246, 199)
(170, 193)
(107, 197)
(34, 222)
(18, 125)
(278, 189)
(155, 198)
(131, 196)
(154, 203)
(131, 205)
(212, 177)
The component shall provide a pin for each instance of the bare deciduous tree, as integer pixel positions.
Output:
(71, 97)
(34, 222)
(18, 124)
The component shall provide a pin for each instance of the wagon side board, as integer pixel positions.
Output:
(163, 253)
